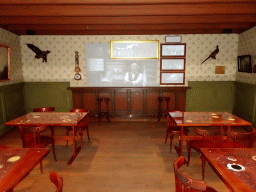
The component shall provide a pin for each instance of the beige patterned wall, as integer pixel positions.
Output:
(13, 41)
(61, 61)
(247, 46)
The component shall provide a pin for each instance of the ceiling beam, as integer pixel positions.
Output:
(129, 19)
(126, 10)
(102, 2)
(127, 27)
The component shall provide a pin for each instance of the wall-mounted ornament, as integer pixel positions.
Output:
(39, 53)
(219, 69)
(213, 54)
(77, 68)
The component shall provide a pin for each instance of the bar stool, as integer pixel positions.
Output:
(106, 112)
(160, 100)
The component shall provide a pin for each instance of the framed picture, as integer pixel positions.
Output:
(173, 50)
(134, 49)
(172, 64)
(244, 64)
(5, 62)
(173, 39)
(172, 78)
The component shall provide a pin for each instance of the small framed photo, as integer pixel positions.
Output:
(244, 64)
(172, 64)
(172, 78)
(173, 39)
(173, 50)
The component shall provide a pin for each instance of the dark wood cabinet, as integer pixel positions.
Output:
(129, 101)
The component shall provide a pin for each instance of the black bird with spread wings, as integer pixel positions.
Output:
(39, 53)
(213, 54)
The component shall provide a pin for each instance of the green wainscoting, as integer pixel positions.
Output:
(245, 101)
(210, 96)
(11, 105)
(47, 94)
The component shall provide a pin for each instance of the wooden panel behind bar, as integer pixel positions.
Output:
(129, 101)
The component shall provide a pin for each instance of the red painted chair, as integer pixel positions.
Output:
(184, 183)
(57, 181)
(31, 138)
(173, 129)
(44, 109)
(80, 127)
(213, 139)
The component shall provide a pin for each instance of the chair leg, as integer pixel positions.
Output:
(166, 137)
(81, 137)
(203, 165)
(53, 151)
(67, 133)
(41, 166)
(87, 130)
(171, 138)
(189, 151)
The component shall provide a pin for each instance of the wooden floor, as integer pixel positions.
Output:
(123, 156)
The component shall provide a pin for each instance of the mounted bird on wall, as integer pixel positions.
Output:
(213, 54)
(39, 53)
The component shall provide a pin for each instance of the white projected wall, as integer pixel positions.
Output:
(102, 71)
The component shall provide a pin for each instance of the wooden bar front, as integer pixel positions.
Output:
(129, 101)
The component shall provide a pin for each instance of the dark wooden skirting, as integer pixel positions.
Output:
(129, 101)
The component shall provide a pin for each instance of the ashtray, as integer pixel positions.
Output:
(235, 167)
(254, 158)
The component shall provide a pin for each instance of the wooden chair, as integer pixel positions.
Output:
(44, 109)
(241, 140)
(184, 183)
(31, 138)
(57, 181)
(213, 139)
(80, 127)
(173, 129)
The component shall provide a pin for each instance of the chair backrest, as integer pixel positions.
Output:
(57, 181)
(242, 139)
(31, 136)
(170, 121)
(44, 109)
(208, 131)
(78, 110)
(184, 183)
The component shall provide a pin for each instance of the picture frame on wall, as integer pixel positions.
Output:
(172, 78)
(173, 50)
(173, 39)
(244, 64)
(172, 64)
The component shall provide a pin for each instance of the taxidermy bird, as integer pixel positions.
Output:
(39, 53)
(213, 54)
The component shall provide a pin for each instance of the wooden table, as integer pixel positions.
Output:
(220, 160)
(11, 171)
(53, 119)
(195, 119)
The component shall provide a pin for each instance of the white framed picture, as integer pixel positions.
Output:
(172, 78)
(172, 64)
(173, 50)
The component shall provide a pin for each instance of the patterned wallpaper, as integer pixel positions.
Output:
(247, 46)
(13, 41)
(61, 60)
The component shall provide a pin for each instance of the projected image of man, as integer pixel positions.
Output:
(134, 77)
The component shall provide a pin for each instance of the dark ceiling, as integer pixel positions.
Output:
(126, 17)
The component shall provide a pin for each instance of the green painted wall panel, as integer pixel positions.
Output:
(47, 94)
(12, 104)
(245, 101)
(210, 96)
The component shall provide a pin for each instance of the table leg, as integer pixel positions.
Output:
(179, 149)
(22, 136)
(76, 149)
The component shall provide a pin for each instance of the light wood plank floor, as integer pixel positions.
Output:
(123, 156)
